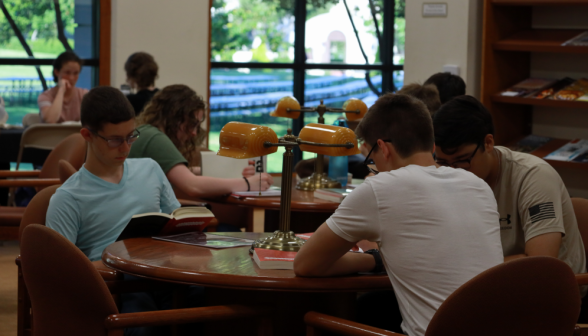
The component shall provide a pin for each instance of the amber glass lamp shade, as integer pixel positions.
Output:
(354, 104)
(285, 103)
(243, 141)
(331, 135)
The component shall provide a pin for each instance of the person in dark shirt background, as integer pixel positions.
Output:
(141, 72)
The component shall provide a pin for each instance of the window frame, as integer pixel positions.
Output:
(102, 30)
(299, 66)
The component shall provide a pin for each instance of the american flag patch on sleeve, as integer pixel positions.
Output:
(542, 211)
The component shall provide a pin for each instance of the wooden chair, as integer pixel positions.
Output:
(72, 149)
(70, 298)
(529, 296)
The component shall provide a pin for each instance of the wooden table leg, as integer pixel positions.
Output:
(255, 220)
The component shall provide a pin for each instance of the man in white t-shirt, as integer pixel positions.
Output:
(435, 226)
(536, 214)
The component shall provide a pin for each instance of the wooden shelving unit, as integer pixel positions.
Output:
(508, 42)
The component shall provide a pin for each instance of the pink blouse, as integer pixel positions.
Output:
(70, 110)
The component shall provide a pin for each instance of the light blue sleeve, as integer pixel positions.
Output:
(63, 215)
(168, 200)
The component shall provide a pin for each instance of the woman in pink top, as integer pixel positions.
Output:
(63, 102)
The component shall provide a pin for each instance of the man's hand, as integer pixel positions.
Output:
(327, 254)
(250, 169)
(266, 181)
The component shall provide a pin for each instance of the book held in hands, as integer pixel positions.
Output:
(181, 220)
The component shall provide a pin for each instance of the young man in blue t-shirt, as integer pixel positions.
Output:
(94, 205)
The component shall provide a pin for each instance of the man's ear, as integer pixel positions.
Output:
(489, 143)
(86, 134)
(386, 148)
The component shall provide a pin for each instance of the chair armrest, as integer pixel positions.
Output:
(582, 279)
(181, 316)
(19, 173)
(29, 183)
(17, 261)
(343, 327)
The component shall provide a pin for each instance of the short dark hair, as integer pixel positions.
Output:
(105, 104)
(141, 67)
(402, 119)
(462, 120)
(428, 94)
(449, 85)
(64, 57)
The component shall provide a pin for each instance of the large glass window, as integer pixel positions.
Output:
(330, 50)
(32, 35)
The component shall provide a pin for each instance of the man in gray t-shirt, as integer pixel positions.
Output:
(536, 214)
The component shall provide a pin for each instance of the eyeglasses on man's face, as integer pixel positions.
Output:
(465, 164)
(367, 162)
(114, 142)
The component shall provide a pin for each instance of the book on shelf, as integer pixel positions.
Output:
(206, 240)
(530, 143)
(580, 40)
(332, 194)
(578, 90)
(527, 87)
(272, 259)
(548, 92)
(181, 220)
(271, 192)
(575, 149)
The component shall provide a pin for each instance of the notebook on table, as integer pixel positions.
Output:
(223, 167)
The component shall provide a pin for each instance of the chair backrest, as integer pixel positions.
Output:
(36, 211)
(68, 295)
(581, 211)
(529, 296)
(44, 136)
(71, 149)
(31, 119)
(66, 170)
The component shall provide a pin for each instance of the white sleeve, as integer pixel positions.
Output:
(357, 218)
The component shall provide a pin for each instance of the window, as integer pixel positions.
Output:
(32, 35)
(330, 50)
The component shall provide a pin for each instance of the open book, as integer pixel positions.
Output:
(181, 220)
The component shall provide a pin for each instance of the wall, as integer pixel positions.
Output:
(432, 43)
(175, 32)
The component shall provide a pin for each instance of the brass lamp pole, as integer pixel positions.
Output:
(284, 239)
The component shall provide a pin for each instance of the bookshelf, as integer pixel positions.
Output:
(509, 41)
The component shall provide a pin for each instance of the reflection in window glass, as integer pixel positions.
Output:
(252, 31)
(248, 95)
(36, 22)
(330, 37)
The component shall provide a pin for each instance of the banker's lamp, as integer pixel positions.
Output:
(242, 141)
(289, 107)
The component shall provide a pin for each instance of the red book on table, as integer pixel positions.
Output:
(272, 259)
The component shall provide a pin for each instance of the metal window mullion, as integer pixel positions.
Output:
(387, 49)
(299, 71)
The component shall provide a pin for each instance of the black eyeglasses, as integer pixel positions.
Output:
(367, 162)
(117, 141)
(463, 164)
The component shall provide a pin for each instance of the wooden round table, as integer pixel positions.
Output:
(231, 276)
(307, 210)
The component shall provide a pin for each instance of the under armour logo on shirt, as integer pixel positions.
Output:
(542, 211)
(507, 219)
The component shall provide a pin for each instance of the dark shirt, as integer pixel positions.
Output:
(140, 99)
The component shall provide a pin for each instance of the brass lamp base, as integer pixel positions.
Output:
(281, 241)
(317, 181)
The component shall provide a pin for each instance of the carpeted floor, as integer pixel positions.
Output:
(8, 252)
